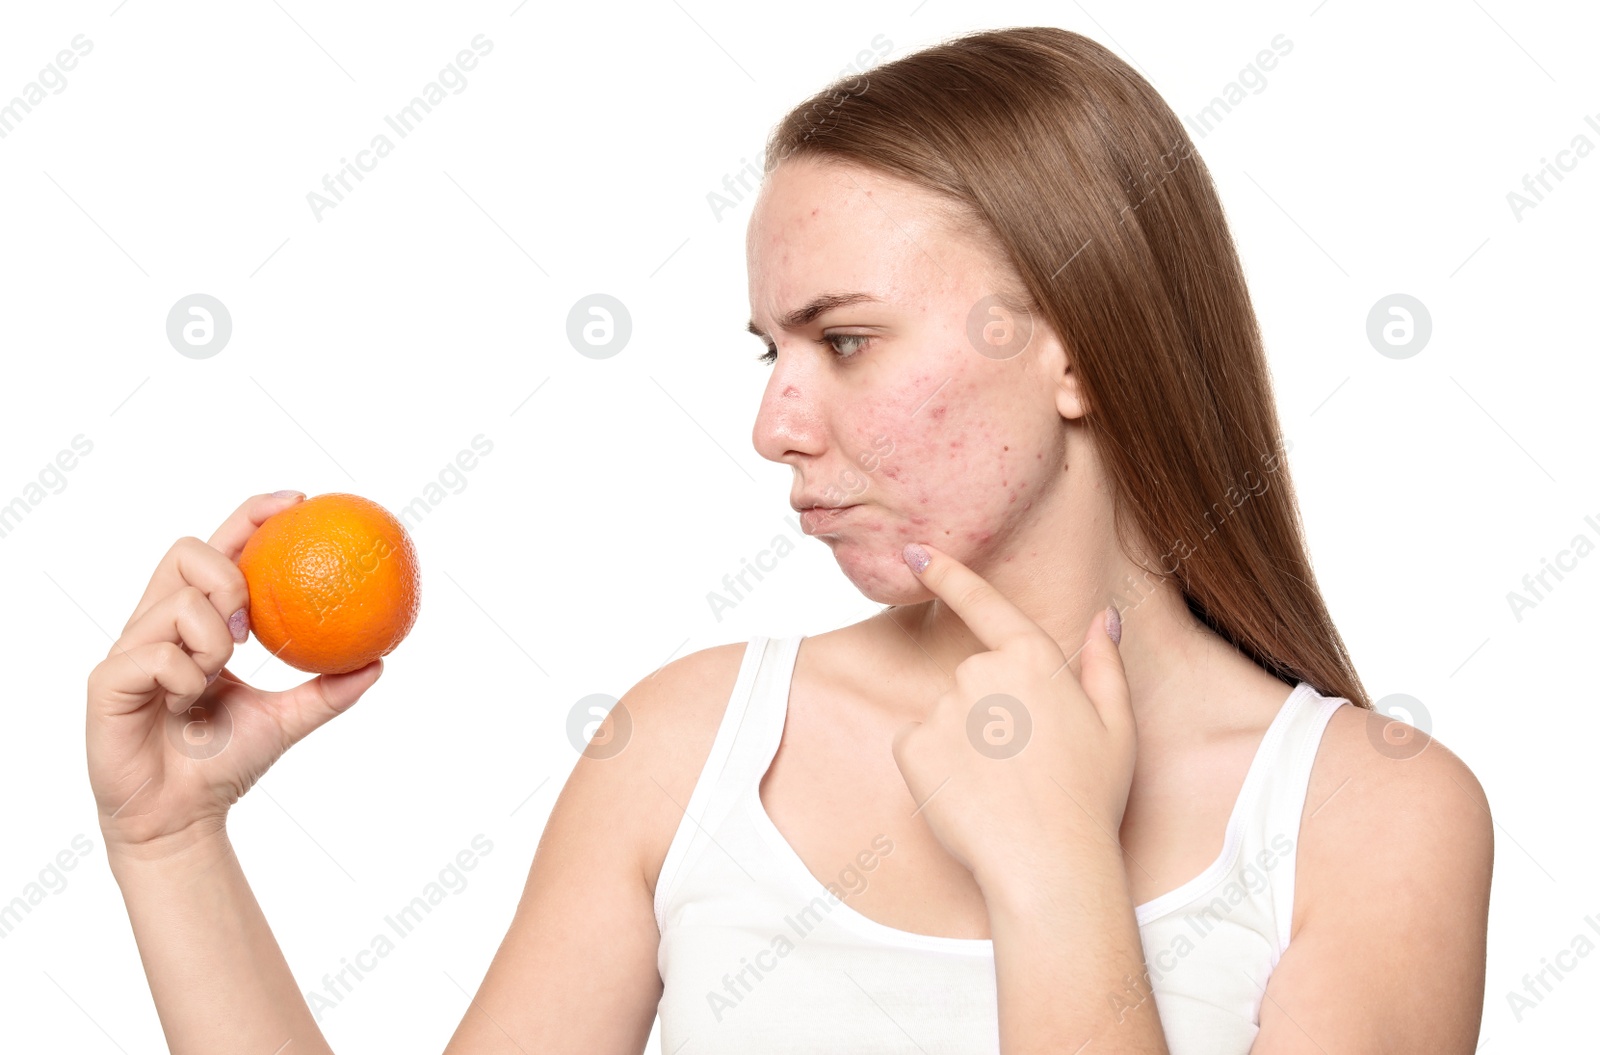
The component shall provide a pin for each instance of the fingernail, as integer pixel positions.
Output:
(1114, 624)
(915, 556)
(213, 675)
(239, 625)
(288, 494)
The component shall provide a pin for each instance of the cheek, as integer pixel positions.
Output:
(944, 458)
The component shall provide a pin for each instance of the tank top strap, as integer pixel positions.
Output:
(748, 738)
(1274, 837)
(746, 741)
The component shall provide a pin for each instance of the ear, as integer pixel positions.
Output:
(1070, 398)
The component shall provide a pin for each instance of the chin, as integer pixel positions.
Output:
(881, 576)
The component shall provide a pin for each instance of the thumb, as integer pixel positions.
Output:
(313, 703)
(1103, 678)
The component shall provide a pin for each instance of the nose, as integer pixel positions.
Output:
(790, 421)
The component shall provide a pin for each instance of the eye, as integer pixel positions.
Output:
(771, 354)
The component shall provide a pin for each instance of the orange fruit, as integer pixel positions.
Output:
(334, 583)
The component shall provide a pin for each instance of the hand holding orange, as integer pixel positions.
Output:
(334, 583)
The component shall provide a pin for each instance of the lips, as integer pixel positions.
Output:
(818, 519)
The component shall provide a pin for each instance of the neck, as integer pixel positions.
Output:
(1166, 651)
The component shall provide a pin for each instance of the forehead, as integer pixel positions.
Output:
(820, 226)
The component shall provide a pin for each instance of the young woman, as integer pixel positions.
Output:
(1017, 376)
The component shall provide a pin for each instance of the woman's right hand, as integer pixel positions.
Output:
(169, 750)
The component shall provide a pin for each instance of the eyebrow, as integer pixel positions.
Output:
(804, 316)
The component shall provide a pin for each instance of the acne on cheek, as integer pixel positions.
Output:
(1016, 492)
(972, 503)
(940, 467)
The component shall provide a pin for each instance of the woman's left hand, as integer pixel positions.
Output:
(1020, 765)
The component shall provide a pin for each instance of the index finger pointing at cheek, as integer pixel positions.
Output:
(986, 611)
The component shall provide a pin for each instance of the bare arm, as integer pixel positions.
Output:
(1394, 869)
(576, 971)
(1065, 963)
(172, 741)
(219, 980)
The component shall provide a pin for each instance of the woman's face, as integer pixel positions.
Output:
(897, 405)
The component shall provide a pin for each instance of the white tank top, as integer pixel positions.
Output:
(756, 954)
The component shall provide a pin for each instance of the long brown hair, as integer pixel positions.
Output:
(1077, 172)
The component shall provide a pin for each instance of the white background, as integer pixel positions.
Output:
(371, 345)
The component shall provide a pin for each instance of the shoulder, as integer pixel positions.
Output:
(675, 709)
(1412, 808)
(1392, 882)
(657, 739)
(619, 802)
